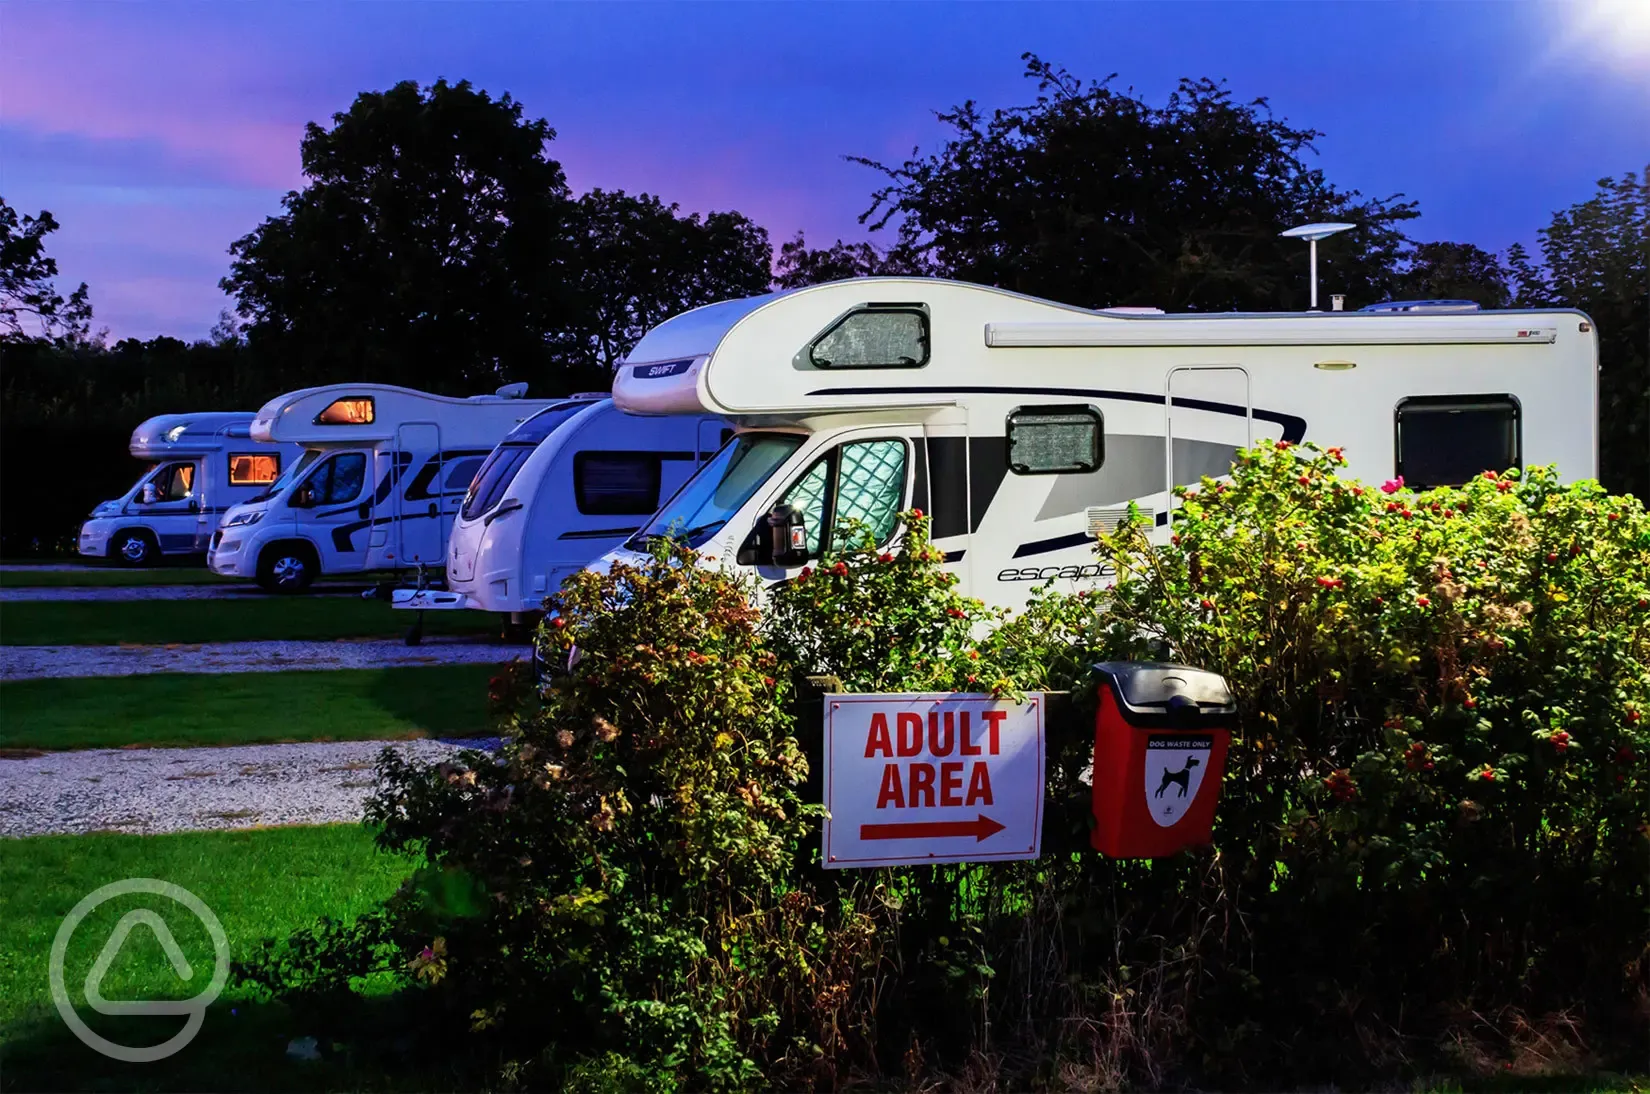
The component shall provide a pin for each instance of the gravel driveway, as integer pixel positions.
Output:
(178, 789)
(36, 662)
(159, 592)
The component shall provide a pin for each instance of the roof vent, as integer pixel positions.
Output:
(512, 391)
(1133, 311)
(1413, 306)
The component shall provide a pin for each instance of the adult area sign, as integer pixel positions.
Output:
(932, 778)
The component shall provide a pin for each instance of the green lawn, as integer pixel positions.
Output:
(259, 884)
(171, 709)
(156, 622)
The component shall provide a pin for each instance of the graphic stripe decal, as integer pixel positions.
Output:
(1294, 427)
(1058, 543)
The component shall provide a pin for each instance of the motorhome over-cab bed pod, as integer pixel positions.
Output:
(1024, 426)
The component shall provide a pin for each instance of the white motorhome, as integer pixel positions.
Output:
(1024, 427)
(199, 466)
(567, 485)
(381, 477)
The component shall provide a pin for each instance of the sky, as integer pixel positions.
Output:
(158, 133)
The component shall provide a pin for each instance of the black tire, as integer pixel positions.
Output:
(287, 567)
(133, 547)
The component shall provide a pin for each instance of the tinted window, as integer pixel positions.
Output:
(356, 410)
(1055, 440)
(616, 483)
(460, 473)
(494, 478)
(174, 482)
(875, 337)
(1445, 440)
(253, 468)
(338, 481)
(542, 424)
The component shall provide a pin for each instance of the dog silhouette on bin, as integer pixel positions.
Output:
(1183, 777)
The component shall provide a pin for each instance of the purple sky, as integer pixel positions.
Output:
(159, 132)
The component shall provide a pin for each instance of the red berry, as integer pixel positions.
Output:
(1208, 605)
(1392, 507)
(1632, 717)
(916, 514)
(1357, 491)
(1643, 603)
(1552, 556)
(1422, 601)
(1470, 703)
(1282, 446)
(1304, 481)
(1504, 485)
(973, 655)
(1490, 475)
(1613, 516)
(558, 622)
(1175, 540)
(1488, 774)
(767, 680)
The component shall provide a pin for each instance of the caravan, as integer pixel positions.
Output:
(199, 465)
(1025, 427)
(380, 480)
(567, 485)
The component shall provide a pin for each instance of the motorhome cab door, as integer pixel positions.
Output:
(332, 508)
(866, 476)
(420, 519)
(175, 511)
(1207, 416)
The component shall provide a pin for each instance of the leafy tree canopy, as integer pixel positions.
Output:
(28, 294)
(801, 265)
(1455, 271)
(1095, 197)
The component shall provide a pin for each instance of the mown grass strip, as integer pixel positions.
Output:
(157, 622)
(191, 710)
(262, 883)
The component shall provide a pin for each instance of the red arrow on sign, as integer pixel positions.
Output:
(980, 827)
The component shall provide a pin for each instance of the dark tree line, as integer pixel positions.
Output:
(437, 244)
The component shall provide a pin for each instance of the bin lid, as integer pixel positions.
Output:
(1149, 687)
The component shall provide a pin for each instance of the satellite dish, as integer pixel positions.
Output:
(1315, 232)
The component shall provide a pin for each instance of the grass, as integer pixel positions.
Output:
(99, 578)
(261, 883)
(157, 622)
(184, 710)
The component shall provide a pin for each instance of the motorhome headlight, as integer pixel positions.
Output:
(107, 509)
(252, 516)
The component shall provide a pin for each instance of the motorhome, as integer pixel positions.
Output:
(199, 466)
(1025, 427)
(567, 485)
(382, 475)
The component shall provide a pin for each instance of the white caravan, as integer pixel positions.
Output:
(199, 465)
(1024, 427)
(570, 483)
(381, 477)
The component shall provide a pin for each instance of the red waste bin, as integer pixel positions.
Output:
(1160, 741)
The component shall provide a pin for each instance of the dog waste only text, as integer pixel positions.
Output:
(932, 778)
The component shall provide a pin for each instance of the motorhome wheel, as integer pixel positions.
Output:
(132, 549)
(285, 569)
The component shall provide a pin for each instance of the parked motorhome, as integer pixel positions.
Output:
(199, 466)
(382, 474)
(1024, 427)
(567, 485)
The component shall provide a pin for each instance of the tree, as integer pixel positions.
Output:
(1454, 271)
(1094, 197)
(1596, 257)
(801, 265)
(430, 246)
(27, 289)
(637, 262)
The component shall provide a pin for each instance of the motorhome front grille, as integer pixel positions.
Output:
(1103, 522)
(217, 538)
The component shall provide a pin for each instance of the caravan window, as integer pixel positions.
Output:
(869, 480)
(616, 483)
(1055, 440)
(1445, 440)
(355, 410)
(460, 474)
(495, 476)
(253, 468)
(874, 336)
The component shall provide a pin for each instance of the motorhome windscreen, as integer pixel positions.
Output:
(290, 475)
(710, 498)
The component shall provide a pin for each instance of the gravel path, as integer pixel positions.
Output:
(160, 592)
(36, 662)
(179, 789)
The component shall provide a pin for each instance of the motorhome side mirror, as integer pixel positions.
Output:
(147, 496)
(787, 536)
(304, 496)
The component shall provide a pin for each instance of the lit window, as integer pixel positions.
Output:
(357, 410)
(253, 468)
(1055, 440)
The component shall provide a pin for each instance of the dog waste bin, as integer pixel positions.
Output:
(1160, 742)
